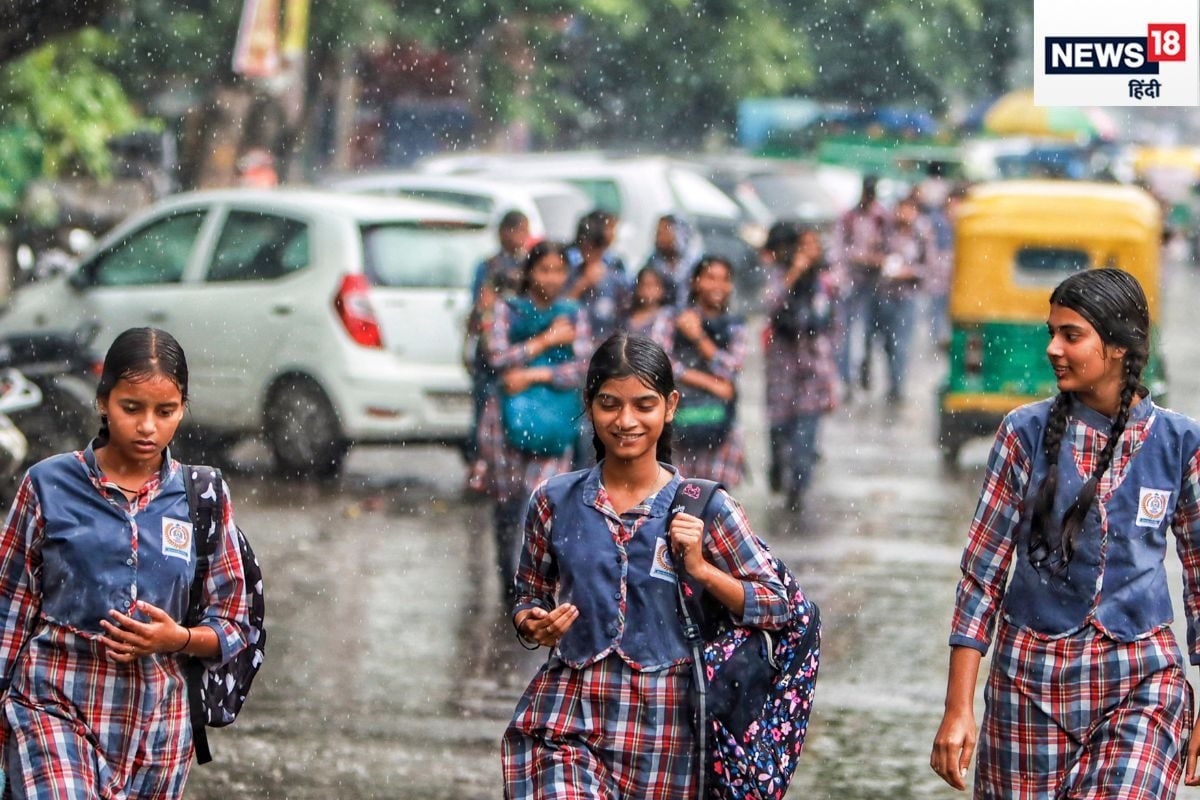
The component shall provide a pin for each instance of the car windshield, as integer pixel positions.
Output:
(433, 255)
(793, 196)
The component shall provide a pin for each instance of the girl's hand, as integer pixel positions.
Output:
(547, 627)
(517, 380)
(1190, 776)
(687, 544)
(561, 331)
(130, 639)
(954, 746)
(688, 323)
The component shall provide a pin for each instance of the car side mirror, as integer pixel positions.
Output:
(81, 278)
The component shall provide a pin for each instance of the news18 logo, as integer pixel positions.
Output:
(1116, 55)
(1114, 52)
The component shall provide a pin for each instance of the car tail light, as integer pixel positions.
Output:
(973, 354)
(354, 310)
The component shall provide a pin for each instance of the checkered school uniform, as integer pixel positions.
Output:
(75, 723)
(510, 473)
(801, 374)
(1096, 705)
(606, 725)
(726, 462)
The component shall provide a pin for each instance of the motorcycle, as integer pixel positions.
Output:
(17, 393)
(62, 367)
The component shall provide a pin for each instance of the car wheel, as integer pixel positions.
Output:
(303, 430)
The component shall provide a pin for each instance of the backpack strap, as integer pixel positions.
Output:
(204, 488)
(694, 496)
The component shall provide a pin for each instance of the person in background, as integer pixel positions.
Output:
(801, 371)
(675, 255)
(860, 244)
(775, 252)
(911, 247)
(596, 282)
(709, 350)
(650, 312)
(495, 277)
(538, 337)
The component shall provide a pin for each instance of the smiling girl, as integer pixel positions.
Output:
(1086, 696)
(609, 714)
(96, 564)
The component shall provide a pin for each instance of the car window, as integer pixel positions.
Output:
(604, 193)
(259, 247)
(424, 255)
(699, 197)
(1049, 265)
(156, 254)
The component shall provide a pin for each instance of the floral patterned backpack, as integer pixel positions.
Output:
(753, 689)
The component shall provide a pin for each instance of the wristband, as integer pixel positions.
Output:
(528, 644)
(185, 644)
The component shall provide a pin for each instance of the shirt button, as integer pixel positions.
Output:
(129, 562)
(616, 595)
(612, 631)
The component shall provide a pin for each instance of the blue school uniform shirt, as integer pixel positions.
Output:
(1116, 580)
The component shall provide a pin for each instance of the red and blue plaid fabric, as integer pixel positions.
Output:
(1083, 716)
(725, 463)
(607, 732)
(77, 724)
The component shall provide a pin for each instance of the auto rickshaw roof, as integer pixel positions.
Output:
(1105, 210)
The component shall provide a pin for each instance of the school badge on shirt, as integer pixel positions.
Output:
(1152, 507)
(664, 568)
(177, 538)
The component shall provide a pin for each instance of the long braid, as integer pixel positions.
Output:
(1043, 509)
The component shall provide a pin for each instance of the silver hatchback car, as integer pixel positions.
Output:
(317, 319)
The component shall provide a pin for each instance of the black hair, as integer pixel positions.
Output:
(701, 267)
(781, 237)
(1112, 302)
(136, 355)
(593, 229)
(625, 355)
(536, 253)
(666, 283)
(512, 220)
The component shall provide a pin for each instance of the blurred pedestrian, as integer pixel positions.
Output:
(609, 714)
(709, 350)
(892, 307)
(539, 338)
(775, 252)
(650, 311)
(97, 562)
(935, 285)
(676, 253)
(1087, 695)
(596, 280)
(496, 277)
(860, 244)
(801, 371)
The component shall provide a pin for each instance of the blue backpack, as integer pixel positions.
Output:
(543, 419)
(753, 689)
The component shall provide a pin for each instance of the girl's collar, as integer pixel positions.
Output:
(1090, 416)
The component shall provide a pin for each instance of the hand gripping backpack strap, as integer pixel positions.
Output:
(204, 489)
(693, 497)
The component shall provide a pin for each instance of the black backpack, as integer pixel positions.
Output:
(752, 689)
(216, 695)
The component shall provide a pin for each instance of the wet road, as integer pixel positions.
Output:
(391, 670)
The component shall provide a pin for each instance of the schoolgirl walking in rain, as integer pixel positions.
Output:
(96, 565)
(1086, 696)
(609, 714)
(538, 342)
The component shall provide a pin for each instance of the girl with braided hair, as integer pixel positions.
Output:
(1086, 696)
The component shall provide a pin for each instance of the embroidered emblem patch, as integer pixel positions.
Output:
(177, 538)
(664, 568)
(1152, 507)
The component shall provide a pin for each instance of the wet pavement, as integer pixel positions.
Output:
(391, 670)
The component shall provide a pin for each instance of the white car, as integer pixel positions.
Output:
(316, 318)
(639, 189)
(553, 208)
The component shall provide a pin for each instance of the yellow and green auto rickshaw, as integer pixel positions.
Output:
(1014, 242)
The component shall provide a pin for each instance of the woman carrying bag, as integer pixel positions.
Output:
(610, 715)
(538, 342)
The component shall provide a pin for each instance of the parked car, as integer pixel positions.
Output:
(318, 319)
(639, 189)
(553, 208)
